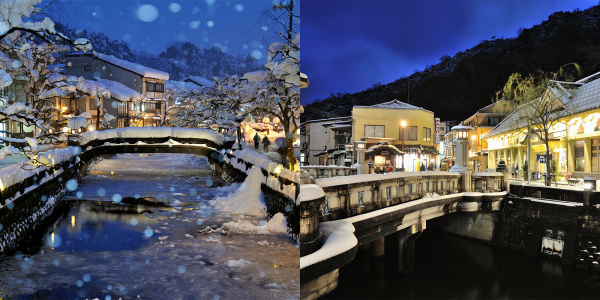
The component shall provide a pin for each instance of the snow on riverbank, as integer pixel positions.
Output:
(277, 225)
(247, 199)
(14, 174)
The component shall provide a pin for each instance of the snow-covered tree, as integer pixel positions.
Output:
(216, 106)
(28, 47)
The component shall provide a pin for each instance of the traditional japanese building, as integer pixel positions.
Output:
(482, 121)
(383, 123)
(574, 140)
(143, 101)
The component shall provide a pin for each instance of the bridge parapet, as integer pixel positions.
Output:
(329, 171)
(153, 135)
(353, 195)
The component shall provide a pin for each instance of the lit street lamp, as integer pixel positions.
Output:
(403, 124)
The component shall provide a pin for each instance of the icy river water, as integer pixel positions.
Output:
(136, 246)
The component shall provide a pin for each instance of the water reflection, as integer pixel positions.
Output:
(105, 226)
(450, 267)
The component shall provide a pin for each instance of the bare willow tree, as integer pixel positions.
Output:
(543, 102)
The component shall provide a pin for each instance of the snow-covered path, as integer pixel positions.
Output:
(100, 248)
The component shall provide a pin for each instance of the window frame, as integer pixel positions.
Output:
(416, 133)
(87, 68)
(374, 131)
(150, 86)
(426, 134)
(579, 157)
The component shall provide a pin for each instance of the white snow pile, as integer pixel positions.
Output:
(310, 192)
(238, 263)
(8, 151)
(139, 69)
(247, 199)
(229, 189)
(14, 174)
(182, 86)
(201, 81)
(338, 237)
(277, 225)
(86, 115)
(433, 196)
(77, 122)
(264, 162)
(151, 132)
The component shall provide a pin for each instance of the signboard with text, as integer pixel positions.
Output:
(437, 130)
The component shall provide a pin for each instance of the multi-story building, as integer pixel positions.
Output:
(324, 141)
(382, 123)
(139, 92)
(574, 141)
(482, 121)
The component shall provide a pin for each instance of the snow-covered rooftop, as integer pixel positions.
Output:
(394, 104)
(585, 97)
(133, 67)
(200, 80)
(117, 90)
(181, 85)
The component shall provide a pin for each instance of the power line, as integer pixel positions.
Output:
(253, 36)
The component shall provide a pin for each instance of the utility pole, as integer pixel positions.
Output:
(528, 153)
(408, 90)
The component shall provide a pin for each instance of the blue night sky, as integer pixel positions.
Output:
(349, 45)
(151, 25)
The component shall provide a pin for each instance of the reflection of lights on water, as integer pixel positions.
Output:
(52, 238)
(72, 223)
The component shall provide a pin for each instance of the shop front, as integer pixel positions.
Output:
(384, 155)
(417, 155)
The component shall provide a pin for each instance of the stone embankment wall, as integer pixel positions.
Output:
(564, 231)
(34, 204)
(276, 201)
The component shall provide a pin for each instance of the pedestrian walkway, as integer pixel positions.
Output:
(272, 155)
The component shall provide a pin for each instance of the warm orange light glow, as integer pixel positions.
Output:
(473, 137)
(379, 159)
(72, 221)
(403, 123)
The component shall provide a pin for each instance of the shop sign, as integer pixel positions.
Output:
(437, 130)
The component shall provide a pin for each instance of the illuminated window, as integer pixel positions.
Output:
(426, 134)
(374, 131)
(579, 156)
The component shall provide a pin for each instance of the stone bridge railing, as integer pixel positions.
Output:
(353, 195)
(363, 209)
(328, 171)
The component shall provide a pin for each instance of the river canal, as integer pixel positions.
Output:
(450, 267)
(131, 229)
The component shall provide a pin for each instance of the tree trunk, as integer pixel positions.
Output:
(548, 174)
(290, 153)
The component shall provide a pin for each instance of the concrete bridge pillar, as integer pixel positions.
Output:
(378, 247)
(406, 247)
